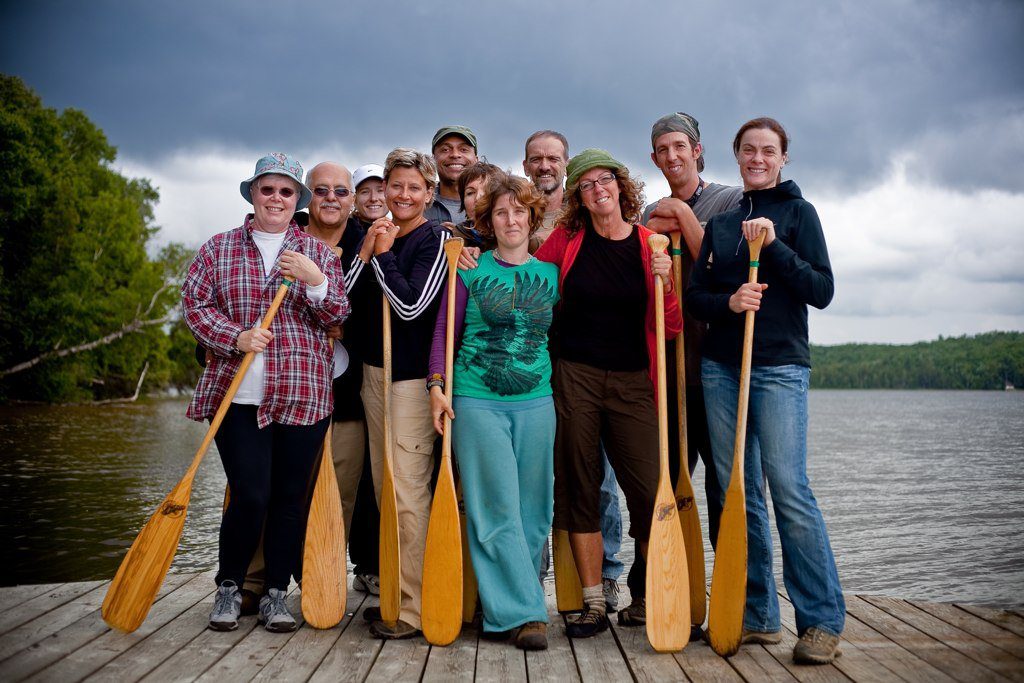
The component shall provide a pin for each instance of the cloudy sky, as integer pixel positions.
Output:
(906, 116)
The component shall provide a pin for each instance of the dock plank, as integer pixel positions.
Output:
(855, 663)
(12, 596)
(754, 663)
(49, 622)
(252, 653)
(1014, 623)
(300, 657)
(982, 652)
(201, 652)
(455, 662)
(400, 661)
(43, 603)
(926, 647)
(644, 662)
(158, 647)
(975, 625)
(353, 654)
(69, 639)
(805, 673)
(599, 658)
(80, 662)
(557, 663)
(700, 663)
(499, 661)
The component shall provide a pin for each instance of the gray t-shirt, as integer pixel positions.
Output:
(444, 209)
(714, 199)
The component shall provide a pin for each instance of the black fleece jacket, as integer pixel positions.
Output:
(795, 266)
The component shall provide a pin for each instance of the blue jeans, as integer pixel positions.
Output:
(611, 523)
(776, 452)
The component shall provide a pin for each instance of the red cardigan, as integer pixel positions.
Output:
(561, 249)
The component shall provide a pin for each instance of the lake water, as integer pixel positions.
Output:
(922, 491)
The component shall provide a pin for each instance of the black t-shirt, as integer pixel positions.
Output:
(604, 301)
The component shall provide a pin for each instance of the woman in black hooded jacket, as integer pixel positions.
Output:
(794, 272)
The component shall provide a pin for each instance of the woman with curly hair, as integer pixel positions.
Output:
(604, 387)
(505, 431)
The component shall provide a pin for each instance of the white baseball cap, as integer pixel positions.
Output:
(365, 172)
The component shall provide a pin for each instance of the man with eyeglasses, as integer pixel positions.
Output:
(454, 149)
(331, 220)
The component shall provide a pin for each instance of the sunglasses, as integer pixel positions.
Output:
(338, 191)
(269, 190)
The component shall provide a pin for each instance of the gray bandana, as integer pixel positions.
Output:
(676, 122)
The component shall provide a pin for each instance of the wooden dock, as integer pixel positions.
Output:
(54, 632)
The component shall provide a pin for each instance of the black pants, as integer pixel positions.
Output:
(698, 445)
(268, 471)
(364, 544)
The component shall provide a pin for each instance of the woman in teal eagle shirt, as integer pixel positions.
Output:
(504, 437)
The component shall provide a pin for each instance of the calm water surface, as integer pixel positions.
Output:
(923, 492)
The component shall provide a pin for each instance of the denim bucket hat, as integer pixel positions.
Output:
(281, 164)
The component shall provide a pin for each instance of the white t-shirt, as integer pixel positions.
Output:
(250, 391)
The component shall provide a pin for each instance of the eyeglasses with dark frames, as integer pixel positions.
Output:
(588, 185)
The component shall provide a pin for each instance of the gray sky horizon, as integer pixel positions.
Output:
(906, 118)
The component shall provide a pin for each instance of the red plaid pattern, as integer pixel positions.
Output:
(225, 293)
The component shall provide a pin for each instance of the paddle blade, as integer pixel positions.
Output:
(729, 576)
(469, 590)
(442, 564)
(323, 555)
(668, 596)
(143, 569)
(693, 541)
(568, 589)
(389, 558)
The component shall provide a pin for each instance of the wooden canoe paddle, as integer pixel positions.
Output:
(323, 554)
(389, 555)
(668, 590)
(469, 588)
(729, 576)
(442, 557)
(568, 587)
(143, 569)
(686, 503)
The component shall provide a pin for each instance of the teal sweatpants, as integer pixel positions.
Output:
(505, 453)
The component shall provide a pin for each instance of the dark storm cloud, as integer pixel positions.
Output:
(938, 84)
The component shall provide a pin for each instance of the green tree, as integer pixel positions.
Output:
(74, 266)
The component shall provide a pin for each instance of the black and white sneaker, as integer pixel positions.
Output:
(227, 606)
(274, 614)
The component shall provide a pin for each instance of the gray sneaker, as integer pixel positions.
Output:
(816, 647)
(227, 606)
(367, 583)
(274, 614)
(610, 588)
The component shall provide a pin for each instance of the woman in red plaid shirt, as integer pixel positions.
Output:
(272, 433)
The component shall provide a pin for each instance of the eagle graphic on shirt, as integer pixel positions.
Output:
(517, 318)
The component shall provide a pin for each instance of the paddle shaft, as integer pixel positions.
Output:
(324, 587)
(142, 571)
(686, 503)
(389, 557)
(668, 590)
(442, 558)
(729, 578)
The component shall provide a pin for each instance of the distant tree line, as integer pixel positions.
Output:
(984, 361)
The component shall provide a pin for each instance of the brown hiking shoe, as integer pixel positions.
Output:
(635, 614)
(816, 647)
(761, 637)
(532, 635)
